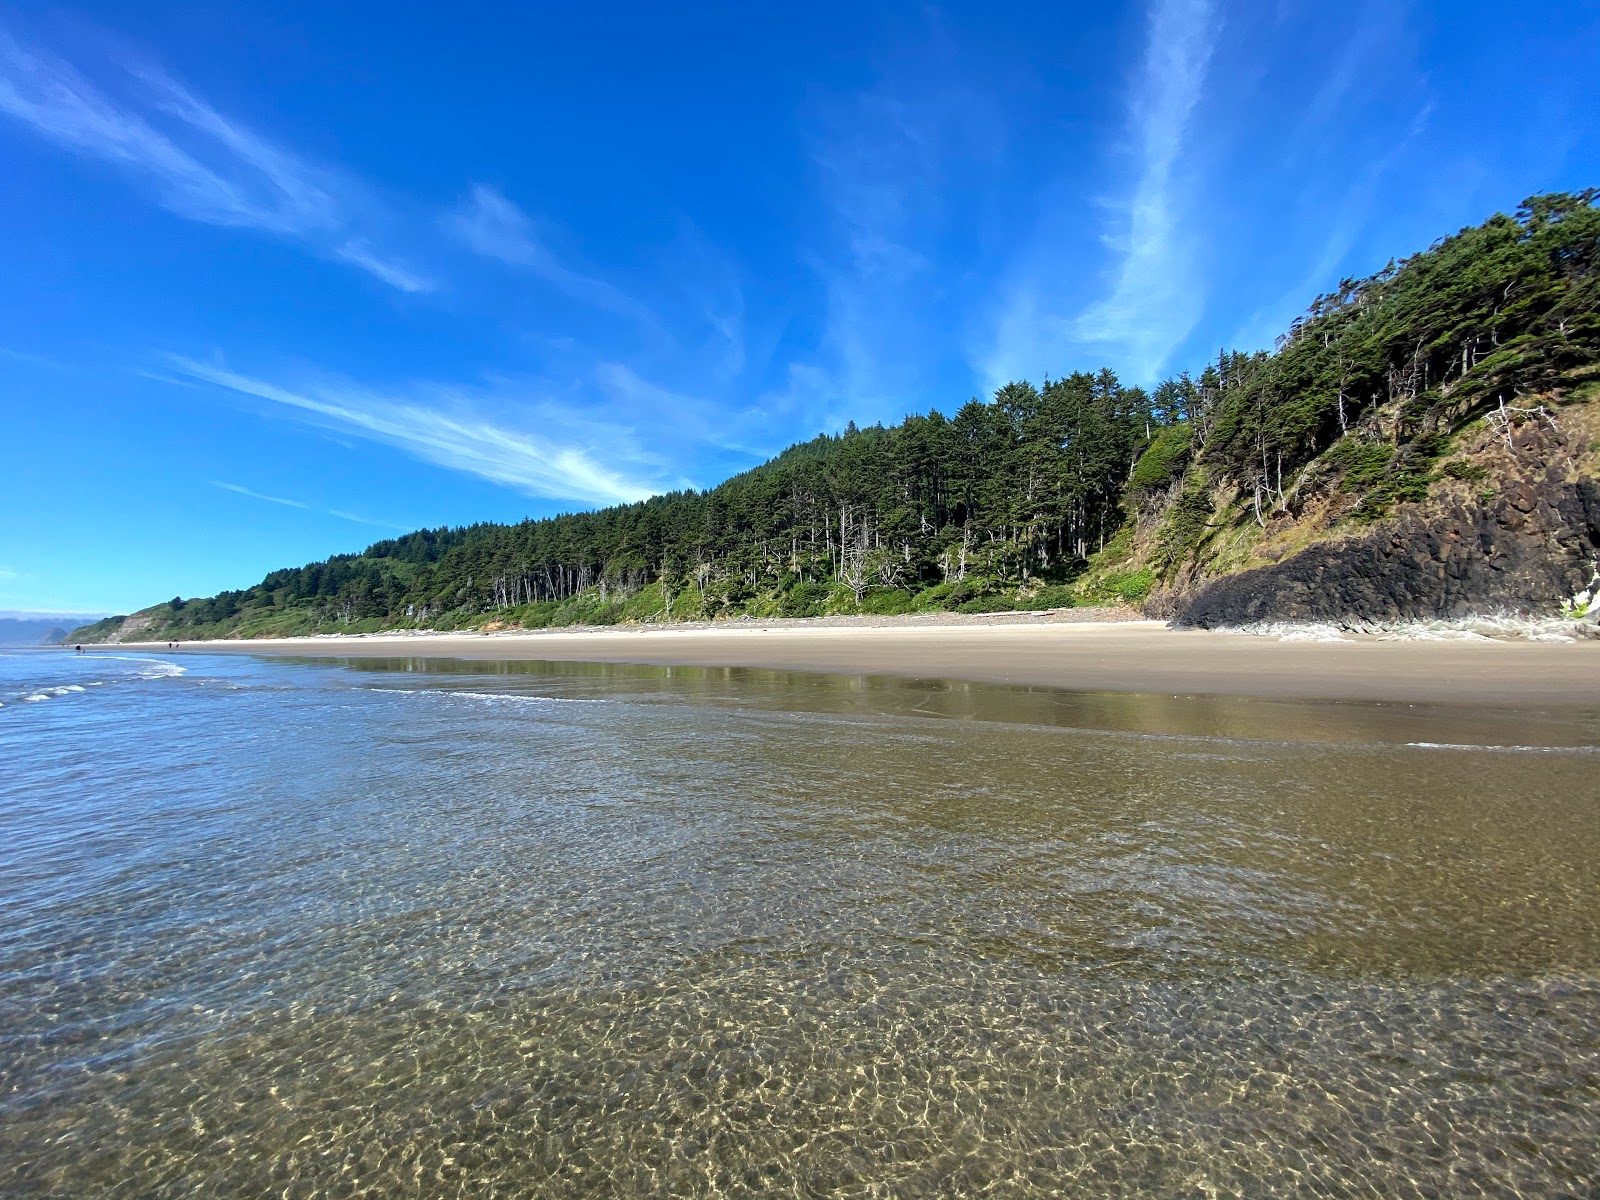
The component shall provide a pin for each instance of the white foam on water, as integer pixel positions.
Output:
(154, 668)
(1505, 749)
(35, 698)
(1311, 633)
(508, 696)
(1425, 634)
(1289, 631)
(1503, 627)
(161, 669)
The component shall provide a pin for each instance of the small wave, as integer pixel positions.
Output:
(154, 668)
(1311, 633)
(50, 693)
(1505, 749)
(508, 696)
(1289, 631)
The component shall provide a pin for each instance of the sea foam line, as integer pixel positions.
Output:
(1505, 749)
(51, 693)
(1499, 628)
(511, 696)
(156, 668)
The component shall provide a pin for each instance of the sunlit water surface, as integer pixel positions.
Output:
(432, 929)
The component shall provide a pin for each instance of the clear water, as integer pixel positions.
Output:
(404, 928)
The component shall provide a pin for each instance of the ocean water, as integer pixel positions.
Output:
(404, 928)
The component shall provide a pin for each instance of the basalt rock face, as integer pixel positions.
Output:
(1524, 550)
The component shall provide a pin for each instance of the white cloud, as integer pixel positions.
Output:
(811, 398)
(881, 167)
(287, 503)
(359, 520)
(492, 226)
(1154, 299)
(1155, 267)
(197, 163)
(443, 430)
(906, 172)
(244, 491)
(681, 421)
(357, 253)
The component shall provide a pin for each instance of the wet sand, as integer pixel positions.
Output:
(1134, 656)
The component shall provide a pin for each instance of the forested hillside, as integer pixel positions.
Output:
(1430, 383)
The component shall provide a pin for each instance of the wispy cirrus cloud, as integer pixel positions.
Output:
(237, 489)
(890, 163)
(492, 226)
(682, 423)
(193, 160)
(441, 426)
(244, 491)
(359, 253)
(1154, 300)
(29, 359)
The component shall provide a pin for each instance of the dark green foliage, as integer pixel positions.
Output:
(1362, 461)
(886, 601)
(1187, 523)
(1511, 306)
(805, 599)
(988, 604)
(1057, 595)
(1125, 587)
(1406, 477)
(1162, 461)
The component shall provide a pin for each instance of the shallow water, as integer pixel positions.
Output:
(425, 928)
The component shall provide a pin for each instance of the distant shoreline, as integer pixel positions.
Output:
(1087, 654)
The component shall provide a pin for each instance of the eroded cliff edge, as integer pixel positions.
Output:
(1512, 526)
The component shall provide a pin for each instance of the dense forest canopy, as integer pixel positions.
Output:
(1006, 500)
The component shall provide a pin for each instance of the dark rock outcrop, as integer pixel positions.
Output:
(1525, 550)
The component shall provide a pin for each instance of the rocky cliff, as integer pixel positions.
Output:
(1515, 530)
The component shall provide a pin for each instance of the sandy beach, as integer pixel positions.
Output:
(1136, 656)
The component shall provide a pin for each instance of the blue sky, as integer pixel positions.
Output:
(279, 280)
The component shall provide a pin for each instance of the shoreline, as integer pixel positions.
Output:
(1096, 655)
